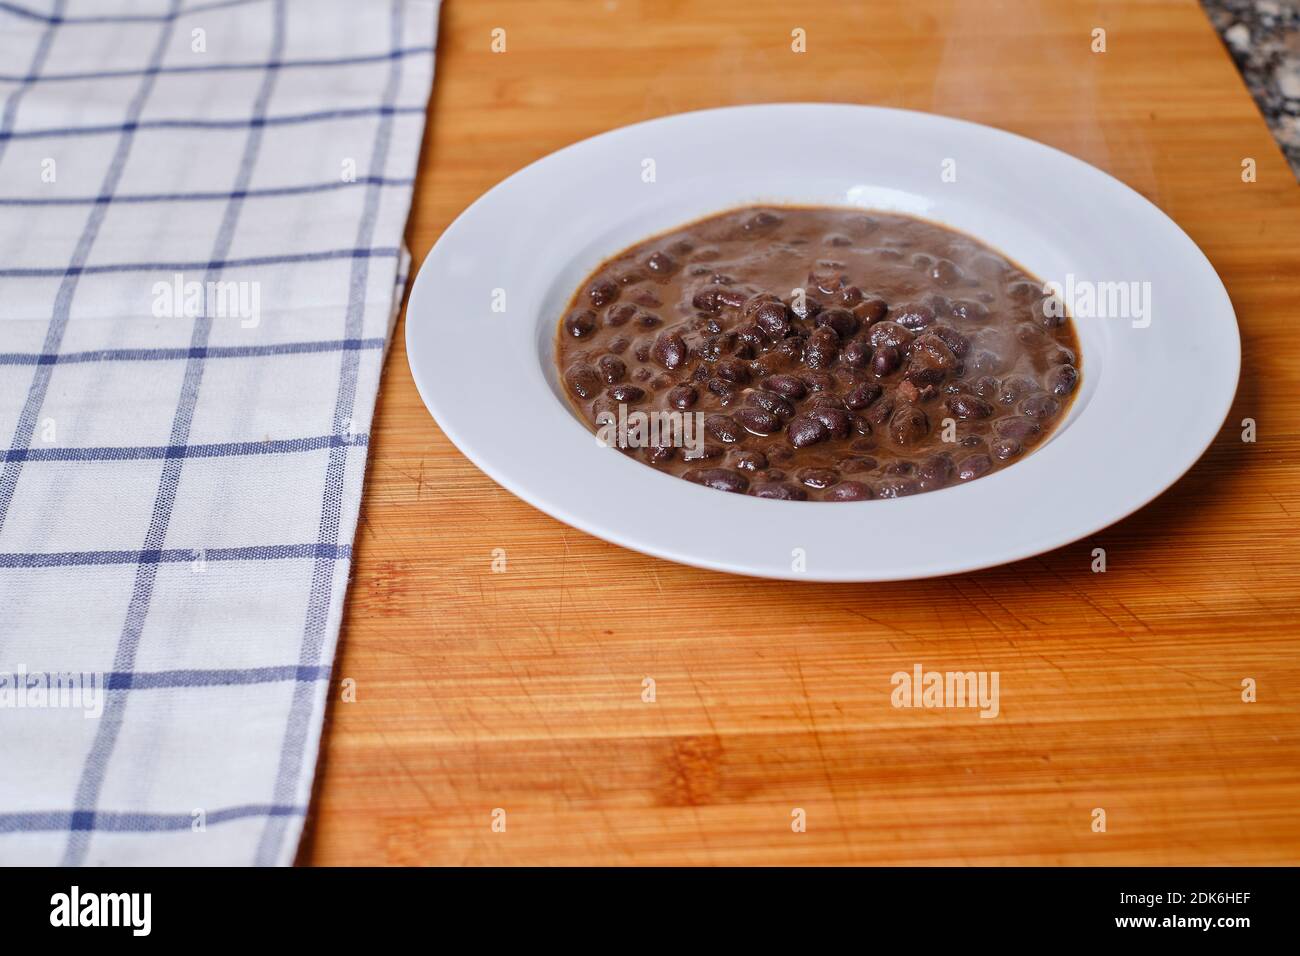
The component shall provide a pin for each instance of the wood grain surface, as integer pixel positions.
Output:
(1119, 690)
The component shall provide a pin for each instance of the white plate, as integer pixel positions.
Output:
(1150, 401)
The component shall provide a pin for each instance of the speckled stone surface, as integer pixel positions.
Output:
(1264, 39)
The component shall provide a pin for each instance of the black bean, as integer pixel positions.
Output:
(945, 272)
(791, 348)
(856, 354)
(771, 318)
(762, 221)
(936, 471)
(850, 491)
(886, 360)
(841, 321)
(1015, 388)
(747, 460)
(804, 307)
(939, 303)
(973, 467)
(968, 407)
(828, 277)
(583, 380)
(851, 465)
(602, 292)
(911, 315)
(726, 391)
(957, 343)
(930, 360)
(785, 385)
(579, 324)
(806, 430)
(880, 413)
(818, 380)
(821, 349)
(968, 311)
(1017, 428)
(1062, 379)
(724, 428)
(612, 370)
(934, 352)
(758, 421)
(707, 452)
(818, 477)
(1049, 312)
(620, 314)
(716, 346)
(669, 350)
(706, 300)
(863, 395)
(732, 297)
(1007, 448)
(770, 403)
(871, 310)
(897, 487)
(629, 394)
(1031, 336)
(683, 396)
(908, 424)
(827, 400)
(985, 361)
(660, 263)
(752, 336)
(835, 420)
(732, 370)
(889, 334)
(780, 492)
(1024, 291)
(719, 478)
(1039, 406)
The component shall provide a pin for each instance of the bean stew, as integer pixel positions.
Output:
(825, 354)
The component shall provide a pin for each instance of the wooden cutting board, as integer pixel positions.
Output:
(1120, 691)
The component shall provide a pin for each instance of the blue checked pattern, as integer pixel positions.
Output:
(181, 476)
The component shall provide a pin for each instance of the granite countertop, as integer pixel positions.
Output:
(1264, 39)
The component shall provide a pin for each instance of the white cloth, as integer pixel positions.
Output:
(201, 214)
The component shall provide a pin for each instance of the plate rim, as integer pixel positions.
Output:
(1038, 544)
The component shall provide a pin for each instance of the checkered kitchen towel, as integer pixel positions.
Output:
(201, 213)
